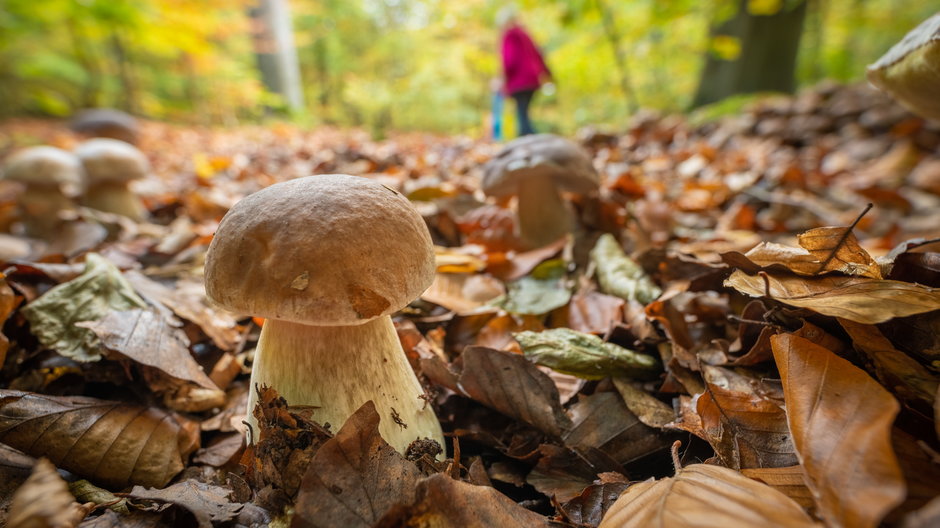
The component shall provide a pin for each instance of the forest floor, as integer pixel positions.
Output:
(779, 268)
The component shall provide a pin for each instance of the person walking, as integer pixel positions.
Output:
(524, 69)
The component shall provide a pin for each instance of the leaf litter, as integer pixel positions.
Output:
(724, 288)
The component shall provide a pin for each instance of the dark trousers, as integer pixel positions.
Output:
(523, 100)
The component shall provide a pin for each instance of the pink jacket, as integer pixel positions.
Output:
(523, 65)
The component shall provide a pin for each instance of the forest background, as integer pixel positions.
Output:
(405, 64)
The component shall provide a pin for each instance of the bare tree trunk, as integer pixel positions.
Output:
(128, 84)
(276, 53)
(613, 37)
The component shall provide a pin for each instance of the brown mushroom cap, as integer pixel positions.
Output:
(46, 166)
(324, 250)
(546, 154)
(106, 122)
(910, 70)
(111, 160)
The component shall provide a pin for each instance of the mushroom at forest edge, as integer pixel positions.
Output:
(107, 123)
(110, 166)
(535, 169)
(325, 259)
(53, 178)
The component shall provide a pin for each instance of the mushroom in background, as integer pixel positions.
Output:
(106, 123)
(536, 169)
(110, 166)
(910, 70)
(326, 259)
(53, 178)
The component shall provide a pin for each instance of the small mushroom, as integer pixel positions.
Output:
(536, 169)
(52, 178)
(910, 70)
(107, 123)
(110, 166)
(325, 259)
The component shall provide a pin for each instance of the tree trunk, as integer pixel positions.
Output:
(613, 37)
(275, 51)
(767, 60)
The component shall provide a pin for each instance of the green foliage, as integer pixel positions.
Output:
(400, 64)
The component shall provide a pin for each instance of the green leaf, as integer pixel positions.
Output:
(99, 290)
(531, 296)
(618, 275)
(585, 355)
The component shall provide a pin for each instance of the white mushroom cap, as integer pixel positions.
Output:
(910, 70)
(112, 160)
(46, 165)
(554, 157)
(324, 250)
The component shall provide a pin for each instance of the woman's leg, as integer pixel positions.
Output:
(523, 99)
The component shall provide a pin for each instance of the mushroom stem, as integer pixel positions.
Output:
(115, 197)
(337, 369)
(39, 210)
(543, 217)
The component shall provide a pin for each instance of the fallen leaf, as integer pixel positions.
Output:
(602, 421)
(745, 429)
(134, 519)
(442, 502)
(701, 495)
(112, 443)
(862, 300)
(98, 291)
(647, 408)
(462, 292)
(585, 355)
(926, 517)
(44, 501)
(209, 504)
(837, 249)
(531, 296)
(620, 276)
(787, 480)
(840, 420)
(355, 477)
(512, 385)
(592, 312)
(146, 338)
(592, 504)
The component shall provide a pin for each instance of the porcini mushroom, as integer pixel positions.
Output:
(107, 123)
(52, 178)
(325, 259)
(110, 166)
(535, 169)
(910, 70)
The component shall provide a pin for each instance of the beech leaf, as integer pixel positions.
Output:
(704, 496)
(111, 443)
(206, 502)
(840, 420)
(858, 299)
(44, 501)
(98, 291)
(585, 355)
(619, 275)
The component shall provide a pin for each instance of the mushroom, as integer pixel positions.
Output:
(325, 259)
(107, 123)
(535, 169)
(110, 165)
(910, 70)
(52, 178)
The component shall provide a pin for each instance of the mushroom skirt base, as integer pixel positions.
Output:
(115, 197)
(543, 216)
(336, 369)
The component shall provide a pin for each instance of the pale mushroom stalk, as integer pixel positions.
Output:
(52, 178)
(351, 365)
(40, 206)
(114, 197)
(543, 216)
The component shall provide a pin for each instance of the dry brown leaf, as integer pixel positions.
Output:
(648, 409)
(442, 502)
(787, 480)
(704, 496)
(112, 443)
(589, 507)
(355, 477)
(209, 504)
(593, 312)
(44, 501)
(462, 292)
(926, 517)
(837, 249)
(840, 420)
(602, 421)
(863, 300)
(512, 385)
(910, 380)
(745, 429)
(145, 337)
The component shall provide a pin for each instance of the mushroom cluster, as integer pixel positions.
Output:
(52, 179)
(536, 169)
(325, 260)
(110, 165)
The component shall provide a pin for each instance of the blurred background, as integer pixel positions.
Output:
(424, 65)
